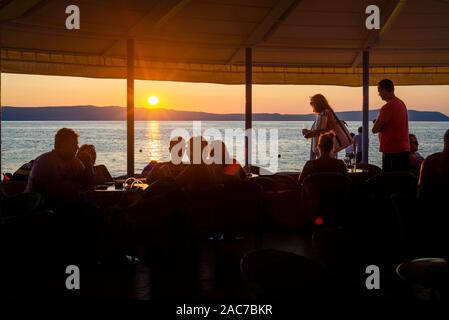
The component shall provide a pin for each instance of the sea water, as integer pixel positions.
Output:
(25, 140)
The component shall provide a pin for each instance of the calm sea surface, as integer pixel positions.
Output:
(25, 140)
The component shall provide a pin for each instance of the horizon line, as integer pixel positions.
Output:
(177, 110)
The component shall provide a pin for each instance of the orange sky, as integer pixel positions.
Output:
(30, 90)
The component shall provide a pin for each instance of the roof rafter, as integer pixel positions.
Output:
(388, 14)
(269, 24)
(158, 15)
(17, 9)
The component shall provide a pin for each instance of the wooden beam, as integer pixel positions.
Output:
(154, 19)
(17, 9)
(387, 17)
(269, 24)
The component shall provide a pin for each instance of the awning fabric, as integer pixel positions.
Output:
(294, 42)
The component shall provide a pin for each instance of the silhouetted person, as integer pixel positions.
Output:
(223, 163)
(416, 159)
(358, 145)
(431, 217)
(392, 126)
(325, 122)
(171, 168)
(325, 161)
(434, 176)
(58, 175)
(101, 173)
(198, 175)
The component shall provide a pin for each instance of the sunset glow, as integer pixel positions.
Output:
(153, 100)
(204, 97)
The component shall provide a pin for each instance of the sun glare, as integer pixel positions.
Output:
(153, 100)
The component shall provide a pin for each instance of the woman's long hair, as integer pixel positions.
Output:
(319, 103)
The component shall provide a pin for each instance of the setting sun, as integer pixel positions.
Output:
(153, 100)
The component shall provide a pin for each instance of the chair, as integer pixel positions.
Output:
(385, 224)
(265, 183)
(432, 273)
(289, 210)
(385, 184)
(242, 208)
(284, 182)
(292, 174)
(282, 202)
(12, 188)
(20, 204)
(326, 196)
(202, 211)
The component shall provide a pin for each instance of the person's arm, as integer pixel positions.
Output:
(378, 126)
(319, 127)
(382, 119)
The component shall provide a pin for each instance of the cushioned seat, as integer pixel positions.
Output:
(326, 196)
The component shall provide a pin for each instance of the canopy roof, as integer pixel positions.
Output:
(293, 41)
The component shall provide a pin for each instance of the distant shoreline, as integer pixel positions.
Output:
(197, 120)
(114, 113)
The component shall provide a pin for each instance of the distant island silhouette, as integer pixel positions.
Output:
(113, 113)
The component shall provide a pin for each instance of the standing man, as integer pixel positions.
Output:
(358, 145)
(392, 126)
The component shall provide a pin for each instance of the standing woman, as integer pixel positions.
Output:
(325, 122)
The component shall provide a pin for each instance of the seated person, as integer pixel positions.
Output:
(146, 170)
(23, 172)
(170, 168)
(416, 159)
(198, 176)
(58, 175)
(224, 164)
(325, 161)
(434, 176)
(101, 173)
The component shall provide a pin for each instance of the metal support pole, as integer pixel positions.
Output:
(365, 125)
(248, 103)
(1, 116)
(130, 107)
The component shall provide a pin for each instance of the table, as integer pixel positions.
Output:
(110, 195)
(430, 273)
(352, 171)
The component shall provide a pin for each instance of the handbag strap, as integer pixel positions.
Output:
(338, 121)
